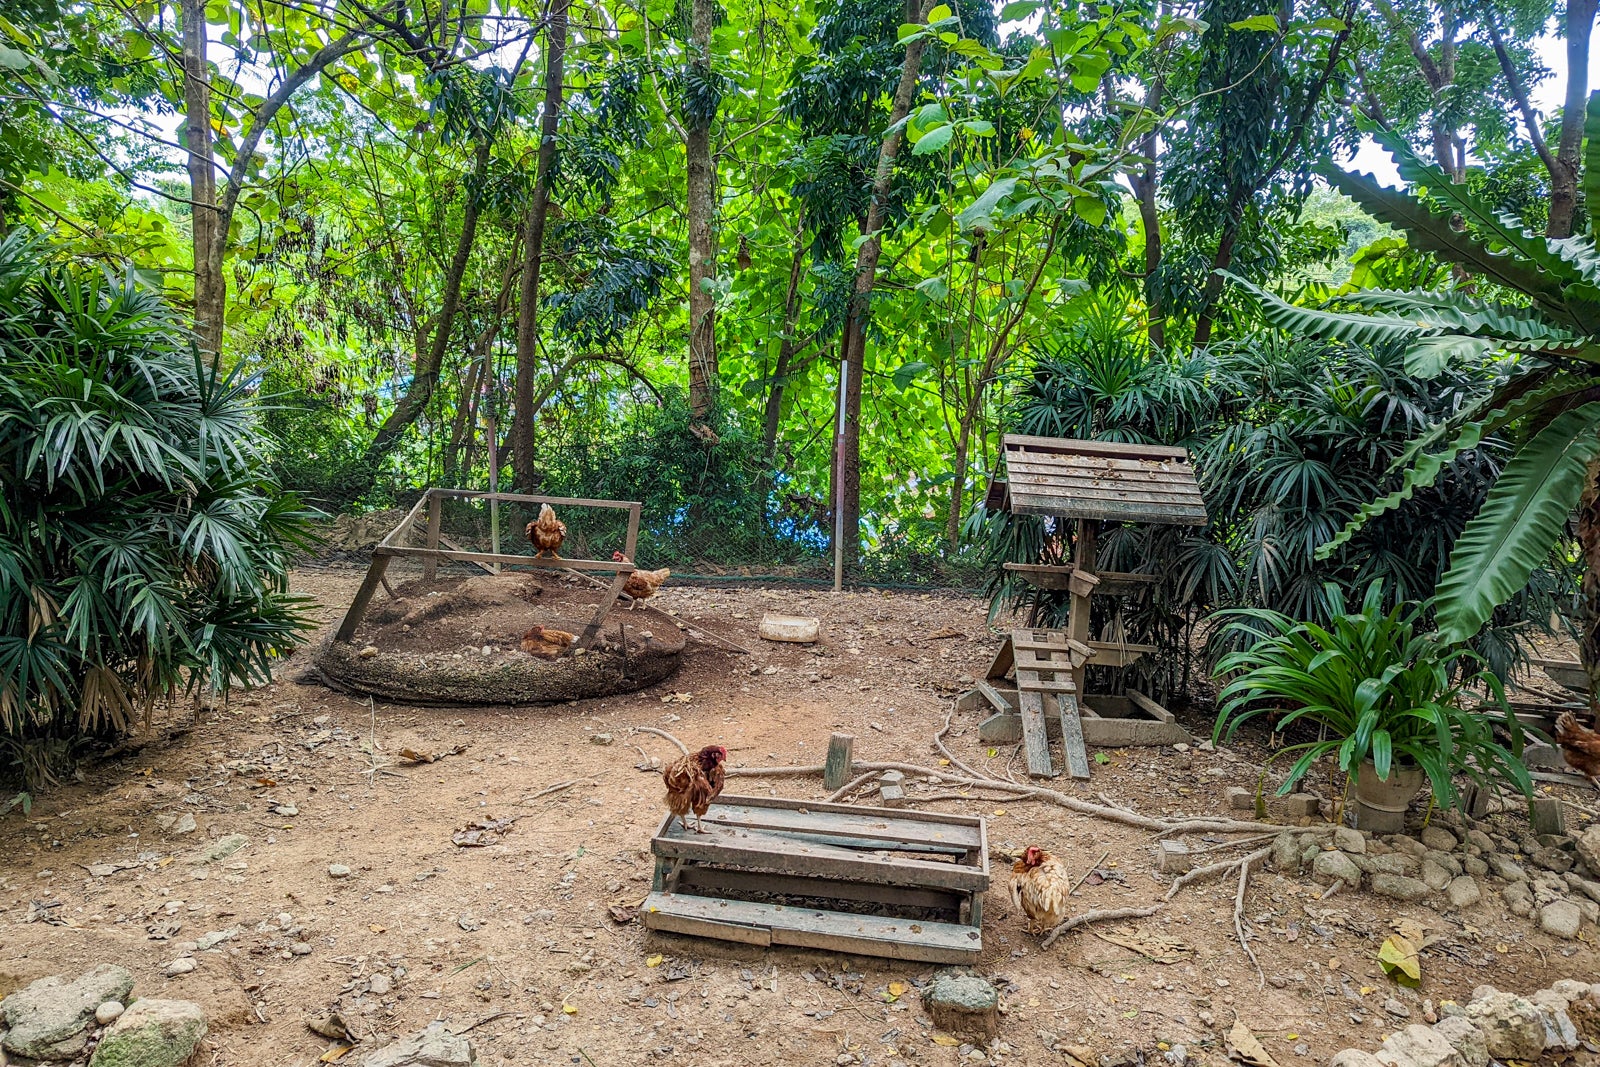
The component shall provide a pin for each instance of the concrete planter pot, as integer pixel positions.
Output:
(1379, 805)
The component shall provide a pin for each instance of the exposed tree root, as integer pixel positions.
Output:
(662, 733)
(1102, 915)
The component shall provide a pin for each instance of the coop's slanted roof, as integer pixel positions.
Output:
(1101, 480)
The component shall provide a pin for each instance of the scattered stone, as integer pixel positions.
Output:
(433, 1047)
(181, 965)
(107, 1013)
(1396, 1009)
(49, 1020)
(223, 847)
(1399, 887)
(212, 940)
(1349, 839)
(1172, 857)
(1300, 805)
(1474, 866)
(1551, 859)
(152, 1033)
(1401, 863)
(1443, 859)
(1417, 1046)
(1588, 847)
(1286, 853)
(1561, 918)
(300, 948)
(1482, 840)
(1465, 1038)
(1354, 1057)
(1513, 1028)
(1336, 867)
(380, 985)
(338, 870)
(1519, 898)
(1559, 1031)
(1505, 867)
(600, 739)
(963, 1003)
(1463, 892)
(1434, 836)
(1240, 798)
(1434, 876)
(1547, 816)
(1409, 845)
(175, 825)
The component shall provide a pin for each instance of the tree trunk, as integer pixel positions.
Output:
(699, 111)
(210, 285)
(1564, 176)
(847, 463)
(786, 347)
(1589, 544)
(426, 378)
(1213, 289)
(1144, 188)
(522, 449)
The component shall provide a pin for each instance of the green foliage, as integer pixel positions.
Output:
(143, 550)
(1379, 687)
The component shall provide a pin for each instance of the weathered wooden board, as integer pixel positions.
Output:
(1073, 753)
(1035, 742)
(792, 854)
(713, 881)
(773, 924)
(1070, 478)
(951, 837)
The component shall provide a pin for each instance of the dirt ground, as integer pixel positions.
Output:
(515, 940)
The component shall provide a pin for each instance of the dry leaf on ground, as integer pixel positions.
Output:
(1243, 1046)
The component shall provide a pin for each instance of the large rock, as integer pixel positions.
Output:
(1354, 1057)
(1559, 1030)
(1349, 839)
(433, 1047)
(152, 1033)
(1505, 867)
(1588, 846)
(1335, 867)
(963, 1003)
(1513, 1028)
(50, 1019)
(1465, 1038)
(1286, 854)
(1399, 863)
(1419, 1046)
(1560, 918)
(1438, 837)
(1434, 876)
(1463, 892)
(1399, 887)
(1519, 898)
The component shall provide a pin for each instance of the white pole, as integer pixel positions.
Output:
(838, 481)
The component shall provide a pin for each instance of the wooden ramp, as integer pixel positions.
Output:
(877, 881)
(1045, 661)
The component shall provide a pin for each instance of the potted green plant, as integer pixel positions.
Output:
(1386, 694)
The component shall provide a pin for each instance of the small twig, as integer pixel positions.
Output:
(1101, 915)
(717, 638)
(1215, 869)
(938, 739)
(662, 733)
(853, 784)
(558, 787)
(1092, 868)
(1238, 919)
(1331, 890)
(486, 1020)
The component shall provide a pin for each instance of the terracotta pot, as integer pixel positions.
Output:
(1379, 805)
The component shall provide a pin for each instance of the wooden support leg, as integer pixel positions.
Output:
(1035, 742)
(430, 566)
(358, 606)
(1072, 750)
(841, 754)
(592, 631)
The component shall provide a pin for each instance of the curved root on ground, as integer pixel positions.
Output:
(1102, 915)
(662, 733)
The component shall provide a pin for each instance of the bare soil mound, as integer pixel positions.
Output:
(458, 641)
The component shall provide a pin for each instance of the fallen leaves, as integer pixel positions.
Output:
(677, 698)
(411, 755)
(482, 832)
(653, 961)
(1244, 1047)
(1398, 957)
(945, 1040)
(946, 632)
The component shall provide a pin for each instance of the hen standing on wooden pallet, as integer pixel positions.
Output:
(1580, 747)
(641, 585)
(693, 782)
(1040, 889)
(547, 532)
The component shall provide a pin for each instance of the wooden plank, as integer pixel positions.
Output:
(844, 809)
(1113, 470)
(404, 525)
(1078, 446)
(1035, 744)
(832, 931)
(1149, 706)
(1097, 474)
(1073, 753)
(524, 498)
(358, 605)
(1108, 511)
(1028, 681)
(1063, 660)
(789, 855)
(1041, 575)
(506, 559)
(992, 695)
(591, 632)
(1090, 491)
(863, 824)
(430, 566)
(1049, 641)
(696, 877)
(841, 754)
(995, 498)
(1117, 653)
(1004, 659)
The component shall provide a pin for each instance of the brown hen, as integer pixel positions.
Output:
(1580, 747)
(542, 642)
(641, 585)
(547, 532)
(1040, 889)
(693, 782)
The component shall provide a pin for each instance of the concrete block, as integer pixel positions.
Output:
(1301, 805)
(1547, 816)
(791, 629)
(1172, 857)
(1002, 729)
(1241, 799)
(891, 796)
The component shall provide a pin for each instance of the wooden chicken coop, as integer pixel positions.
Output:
(1085, 482)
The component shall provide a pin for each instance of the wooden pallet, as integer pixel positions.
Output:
(1045, 662)
(735, 881)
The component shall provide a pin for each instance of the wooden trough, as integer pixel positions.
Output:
(900, 884)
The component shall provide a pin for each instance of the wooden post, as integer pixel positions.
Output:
(363, 597)
(430, 565)
(1078, 621)
(491, 438)
(841, 754)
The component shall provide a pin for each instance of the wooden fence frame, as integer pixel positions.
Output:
(391, 547)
